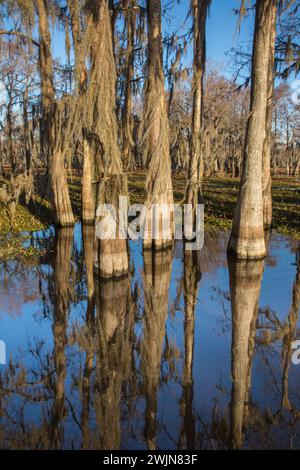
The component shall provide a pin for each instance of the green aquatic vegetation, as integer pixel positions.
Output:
(220, 195)
(12, 229)
(22, 220)
(12, 247)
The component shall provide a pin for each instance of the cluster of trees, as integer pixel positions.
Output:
(85, 113)
(225, 111)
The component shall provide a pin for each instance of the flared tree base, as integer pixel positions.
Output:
(243, 248)
(63, 213)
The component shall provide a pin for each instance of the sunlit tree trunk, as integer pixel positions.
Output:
(196, 164)
(27, 145)
(55, 158)
(100, 123)
(156, 133)
(88, 188)
(9, 120)
(247, 236)
(267, 182)
(127, 127)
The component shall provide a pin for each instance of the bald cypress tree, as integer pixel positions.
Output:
(99, 122)
(267, 183)
(155, 129)
(196, 163)
(130, 14)
(247, 236)
(53, 143)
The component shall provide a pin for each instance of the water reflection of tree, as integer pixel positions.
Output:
(113, 330)
(61, 295)
(272, 330)
(289, 337)
(257, 328)
(192, 276)
(102, 367)
(88, 249)
(43, 383)
(245, 283)
(157, 272)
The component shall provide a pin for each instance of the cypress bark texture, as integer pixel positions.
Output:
(27, 135)
(156, 134)
(267, 182)
(88, 188)
(52, 141)
(247, 236)
(127, 125)
(100, 124)
(196, 163)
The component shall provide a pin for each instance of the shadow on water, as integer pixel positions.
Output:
(187, 351)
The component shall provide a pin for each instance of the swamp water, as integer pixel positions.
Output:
(187, 352)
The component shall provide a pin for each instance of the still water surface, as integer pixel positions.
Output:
(187, 352)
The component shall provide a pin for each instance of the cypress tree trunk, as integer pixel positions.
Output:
(127, 128)
(55, 157)
(9, 118)
(88, 189)
(267, 182)
(156, 134)
(27, 145)
(196, 164)
(100, 124)
(247, 236)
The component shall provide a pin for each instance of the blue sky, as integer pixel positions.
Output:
(222, 31)
(221, 27)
